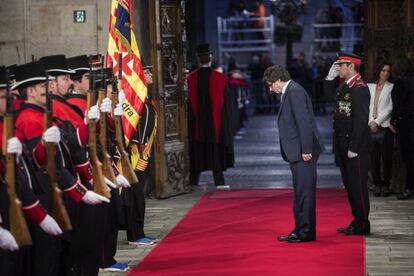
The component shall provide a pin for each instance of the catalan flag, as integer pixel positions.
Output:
(122, 41)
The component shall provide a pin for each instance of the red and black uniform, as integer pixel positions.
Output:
(78, 102)
(351, 133)
(210, 135)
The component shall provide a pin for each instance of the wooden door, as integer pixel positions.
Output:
(167, 37)
(389, 31)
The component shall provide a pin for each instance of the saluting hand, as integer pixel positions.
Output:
(306, 156)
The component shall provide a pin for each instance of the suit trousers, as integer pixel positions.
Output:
(354, 174)
(304, 201)
(381, 159)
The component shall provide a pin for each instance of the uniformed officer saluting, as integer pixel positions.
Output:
(351, 141)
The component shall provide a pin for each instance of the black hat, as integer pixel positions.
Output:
(10, 70)
(80, 64)
(56, 65)
(145, 65)
(203, 49)
(348, 58)
(29, 74)
(3, 77)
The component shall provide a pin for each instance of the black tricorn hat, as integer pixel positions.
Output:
(29, 74)
(56, 65)
(145, 65)
(3, 77)
(203, 49)
(10, 71)
(80, 64)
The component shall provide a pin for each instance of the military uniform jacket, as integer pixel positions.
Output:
(350, 119)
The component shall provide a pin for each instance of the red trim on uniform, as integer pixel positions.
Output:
(82, 133)
(76, 192)
(39, 155)
(349, 59)
(353, 80)
(35, 212)
(85, 170)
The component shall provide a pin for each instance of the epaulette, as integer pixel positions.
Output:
(360, 83)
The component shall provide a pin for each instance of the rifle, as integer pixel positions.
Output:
(59, 212)
(107, 166)
(99, 185)
(127, 169)
(18, 225)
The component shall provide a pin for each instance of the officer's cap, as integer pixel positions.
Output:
(348, 58)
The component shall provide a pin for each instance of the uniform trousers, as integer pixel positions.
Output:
(354, 172)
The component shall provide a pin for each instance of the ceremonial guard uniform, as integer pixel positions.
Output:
(351, 144)
(141, 145)
(80, 64)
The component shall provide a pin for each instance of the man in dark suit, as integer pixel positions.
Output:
(352, 140)
(300, 145)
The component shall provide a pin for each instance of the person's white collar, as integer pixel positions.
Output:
(285, 86)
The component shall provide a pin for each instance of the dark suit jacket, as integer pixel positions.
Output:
(298, 132)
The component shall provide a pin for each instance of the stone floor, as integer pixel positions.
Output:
(389, 250)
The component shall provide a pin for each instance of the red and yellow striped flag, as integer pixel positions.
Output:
(122, 40)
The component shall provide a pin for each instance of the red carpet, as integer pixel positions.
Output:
(234, 233)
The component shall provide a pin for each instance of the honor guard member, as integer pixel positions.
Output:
(30, 130)
(351, 140)
(77, 97)
(18, 263)
(141, 145)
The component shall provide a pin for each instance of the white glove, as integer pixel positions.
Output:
(93, 113)
(106, 105)
(93, 198)
(118, 110)
(50, 226)
(352, 154)
(52, 135)
(109, 183)
(121, 97)
(14, 146)
(333, 72)
(7, 241)
(122, 181)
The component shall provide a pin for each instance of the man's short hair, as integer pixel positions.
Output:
(205, 59)
(275, 73)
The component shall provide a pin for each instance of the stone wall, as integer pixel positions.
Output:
(35, 28)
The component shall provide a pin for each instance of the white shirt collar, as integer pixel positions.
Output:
(285, 86)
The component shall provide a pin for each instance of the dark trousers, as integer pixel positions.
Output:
(381, 159)
(354, 174)
(136, 210)
(217, 175)
(304, 201)
(406, 135)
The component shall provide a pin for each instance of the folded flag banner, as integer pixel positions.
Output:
(122, 43)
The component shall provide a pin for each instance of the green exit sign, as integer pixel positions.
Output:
(79, 16)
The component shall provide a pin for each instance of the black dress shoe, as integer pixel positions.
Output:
(301, 239)
(341, 229)
(287, 237)
(351, 230)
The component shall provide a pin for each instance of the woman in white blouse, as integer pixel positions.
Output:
(382, 132)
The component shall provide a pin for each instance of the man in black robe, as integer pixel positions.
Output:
(210, 137)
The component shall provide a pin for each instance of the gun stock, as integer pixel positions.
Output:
(59, 212)
(99, 185)
(127, 169)
(107, 167)
(18, 225)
